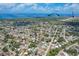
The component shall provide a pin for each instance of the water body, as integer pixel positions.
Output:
(32, 15)
(22, 23)
(6, 16)
(72, 23)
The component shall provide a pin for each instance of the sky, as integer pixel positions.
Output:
(40, 8)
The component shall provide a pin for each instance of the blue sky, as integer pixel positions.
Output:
(18, 8)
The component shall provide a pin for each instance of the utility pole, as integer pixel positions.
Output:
(72, 13)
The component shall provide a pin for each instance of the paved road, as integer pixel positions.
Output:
(62, 53)
(68, 19)
(50, 44)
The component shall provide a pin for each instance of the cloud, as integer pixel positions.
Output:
(72, 8)
(23, 8)
(68, 8)
(6, 7)
(38, 8)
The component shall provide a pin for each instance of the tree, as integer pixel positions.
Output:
(5, 49)
(53, 52)
(32, 44)
(72, 52)
(60, 39)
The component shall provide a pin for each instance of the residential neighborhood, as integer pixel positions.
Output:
(38, 38)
